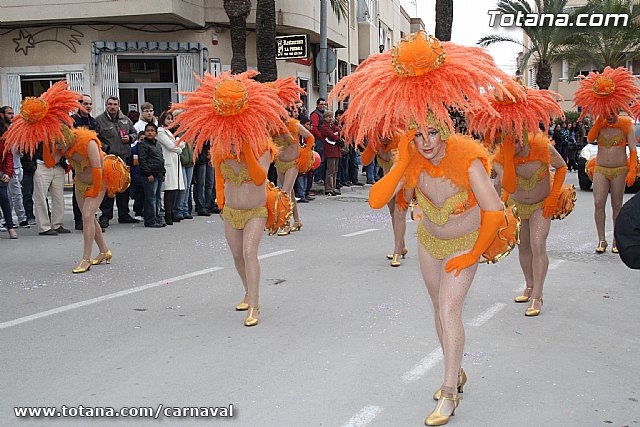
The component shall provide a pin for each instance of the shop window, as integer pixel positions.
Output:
(146, 70)
(37, 85)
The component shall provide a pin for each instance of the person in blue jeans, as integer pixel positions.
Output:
(152, 168)
(187, 161)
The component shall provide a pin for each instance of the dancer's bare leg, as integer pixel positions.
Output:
(600, 194)
(399, 219)
(431, 274)
(525, 255)
(234, 240)
(90, 233)
(617, 186)
(539, 229)
(252, 233)
(287, 186)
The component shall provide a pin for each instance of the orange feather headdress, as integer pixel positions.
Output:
(287, 90)
(635, 110)
(417, 82)
(601, 94)
(525, 112)
(230, 109)
(41, 119)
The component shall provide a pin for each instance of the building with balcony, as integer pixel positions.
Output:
(151, 50)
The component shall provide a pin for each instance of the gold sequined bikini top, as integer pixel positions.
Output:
(385, 164)
(239, 178)
(614, 141)
(454, 205)
(78, 166)
(283, 140)
(529, 183)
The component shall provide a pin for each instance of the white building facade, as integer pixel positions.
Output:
(151, 50)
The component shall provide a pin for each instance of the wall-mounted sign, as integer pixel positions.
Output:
(292, 47)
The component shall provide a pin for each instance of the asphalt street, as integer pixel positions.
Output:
(343, 339)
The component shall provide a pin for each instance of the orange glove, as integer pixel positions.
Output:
(96, 185)
(48, 159)
(491, 222)
(401, 202)
(382, 191)
(257, 174)
(367, 155)
(633, 166)
(550, 204)
(219, 187)
(509, 174)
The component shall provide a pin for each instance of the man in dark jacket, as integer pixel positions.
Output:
(116, 135)
(82, 119)
(152, 169)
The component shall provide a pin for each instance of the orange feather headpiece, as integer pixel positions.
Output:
(635, 110)
(287, 90)
(230, 109)
(524, 112)
(42, 119)
(601, 94)
(419, 76)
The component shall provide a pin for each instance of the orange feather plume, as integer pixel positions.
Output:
(601, 94)
(230, 109)
(288, 91)
(525, 112)
(41, 118)
(420, 78)
(635, 110)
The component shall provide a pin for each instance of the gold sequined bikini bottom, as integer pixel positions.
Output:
(285, 166)
(442, 248)
(525, 210)
(611, 173)
(238, 218)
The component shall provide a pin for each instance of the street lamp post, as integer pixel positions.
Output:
(322, 57)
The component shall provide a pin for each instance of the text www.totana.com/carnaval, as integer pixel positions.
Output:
(160, 411)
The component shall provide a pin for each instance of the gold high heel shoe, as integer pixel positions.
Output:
(285, 231)
(436, 418)
(243, 306)
(462, 380)
(252, 316)
(523, 297)
(404, 252)
(297, 226)
(530, 311)
(602, 247)
(80, 268)
(395, 261)
(614, 248)
(106, 257)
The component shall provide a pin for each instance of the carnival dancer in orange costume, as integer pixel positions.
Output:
(386, 150)
(236, 114)
(603, 96)
(291, 159)
(413, 86)
(522, 166)
(47, 120)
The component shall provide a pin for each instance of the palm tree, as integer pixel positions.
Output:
(266, 40)
(546, 44)
(607, 45)
(237, 11)
(444, 19)
(340, 8)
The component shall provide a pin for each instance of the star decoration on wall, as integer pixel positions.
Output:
(24, 42)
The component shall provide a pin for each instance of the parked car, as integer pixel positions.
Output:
(590, 151)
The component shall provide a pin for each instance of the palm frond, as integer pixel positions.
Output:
(340, 8)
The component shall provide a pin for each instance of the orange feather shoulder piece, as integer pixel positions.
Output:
(461, 150)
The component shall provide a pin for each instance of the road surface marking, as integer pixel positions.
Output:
(272, 254)
(106, 297)
(423, 366)
(487, 314)
(357, 233)
(364, 416)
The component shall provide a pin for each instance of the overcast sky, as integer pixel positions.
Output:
(470, 22)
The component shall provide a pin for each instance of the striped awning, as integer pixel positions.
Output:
(99, 47)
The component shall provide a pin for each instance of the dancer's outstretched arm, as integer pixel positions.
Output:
(257, 173)
(383, 190)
